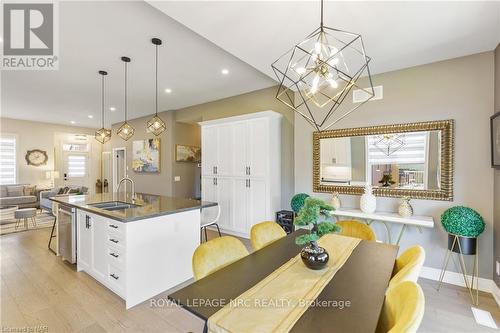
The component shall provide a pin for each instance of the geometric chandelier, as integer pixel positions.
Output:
(103, 134)
(389, 143)
(317, 74)
(125, 131)
(156, 125)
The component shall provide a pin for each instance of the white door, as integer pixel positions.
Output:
(240, 149)
(258, 147)
(75, 169)
(240, 209)
(224, 166)
(84, 244)
(208, 150)
(257, 209)
(208, 192)
(100, 251)
(224, 188)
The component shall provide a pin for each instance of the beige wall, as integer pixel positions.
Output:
(36, 135)
(182, 128)
(189, 184)
(496, 197)
(260, 100)
(460, 89)
(153, 183)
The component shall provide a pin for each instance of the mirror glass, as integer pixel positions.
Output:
(407, 160)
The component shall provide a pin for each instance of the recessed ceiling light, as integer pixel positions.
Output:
(225, 71)
(168, 90)
(90, 116)
(112, 108)
(73, 122)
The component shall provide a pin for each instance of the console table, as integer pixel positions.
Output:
(387, 218)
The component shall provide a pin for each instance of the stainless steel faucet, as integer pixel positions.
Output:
(131, 182)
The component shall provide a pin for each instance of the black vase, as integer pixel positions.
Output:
(468, 245)
(314, 256)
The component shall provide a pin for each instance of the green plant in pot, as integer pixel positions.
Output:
(465, 224)
(314, 213)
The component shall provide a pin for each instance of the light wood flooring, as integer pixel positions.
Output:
(39, 290)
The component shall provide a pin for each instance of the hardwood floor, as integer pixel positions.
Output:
(38, 290)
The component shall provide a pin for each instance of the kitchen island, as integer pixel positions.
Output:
(137, 247)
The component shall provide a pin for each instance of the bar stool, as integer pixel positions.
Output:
(205, 224)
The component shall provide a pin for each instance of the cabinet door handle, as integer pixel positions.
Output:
(116, 277)
(216, 182)
(113, 226)
(213, 181)
(216, 170)
(249, 183)
(213, 170)
(249, 171)
(114, 255)
(114, 240)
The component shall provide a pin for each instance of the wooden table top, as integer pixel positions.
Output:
(362, 281)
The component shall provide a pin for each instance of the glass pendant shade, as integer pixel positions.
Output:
(103, 135)
(318, 75)
(126, 131)
(389, 143)
(156, 126)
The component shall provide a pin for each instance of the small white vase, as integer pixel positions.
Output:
(368, 202)
(335, 200)
(405, 209)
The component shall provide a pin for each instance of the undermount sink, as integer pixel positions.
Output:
(114, 205)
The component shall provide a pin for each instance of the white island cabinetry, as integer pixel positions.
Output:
(138, 259)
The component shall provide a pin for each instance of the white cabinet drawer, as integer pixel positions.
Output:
(116, 227)
(116, 279)
(116, 257)
(116, 241)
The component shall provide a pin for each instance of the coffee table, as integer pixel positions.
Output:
(7, 213)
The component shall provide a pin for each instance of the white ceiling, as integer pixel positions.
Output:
(203, 37)
(93, 36)
(396, 34)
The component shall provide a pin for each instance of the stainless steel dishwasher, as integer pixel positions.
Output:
(66, 232)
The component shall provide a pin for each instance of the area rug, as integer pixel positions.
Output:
(43, 220)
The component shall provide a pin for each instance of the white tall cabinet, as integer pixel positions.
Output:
(241, 169)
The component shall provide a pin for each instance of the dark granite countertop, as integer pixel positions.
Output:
(149, 205)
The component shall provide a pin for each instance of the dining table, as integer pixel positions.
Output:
(360, 283)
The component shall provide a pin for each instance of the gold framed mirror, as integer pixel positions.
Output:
(413, 160)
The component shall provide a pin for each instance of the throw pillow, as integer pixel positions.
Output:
(15, 191)
(66, 190)
(73, 190)
(61, 191)
(29, 190)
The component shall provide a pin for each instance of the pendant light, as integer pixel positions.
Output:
(155, 125)
(317, 74)
(126, 131)
(102, 135)
(389, 143)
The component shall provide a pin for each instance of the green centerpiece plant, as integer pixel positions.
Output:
(316, 214)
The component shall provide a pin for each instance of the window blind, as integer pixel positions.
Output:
(8, 167)
(413, 150)
(77, 166)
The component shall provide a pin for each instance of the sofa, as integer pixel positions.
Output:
(46, 203)
(21, 195)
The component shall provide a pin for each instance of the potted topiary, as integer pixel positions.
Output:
(465, 224)
(316, 214)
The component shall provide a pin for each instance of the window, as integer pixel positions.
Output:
(77, 166)
(8, 167)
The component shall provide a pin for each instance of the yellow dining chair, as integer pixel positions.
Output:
(403, 309)
(264, 233)
(408, 265)
(216, 254)
(357, 230)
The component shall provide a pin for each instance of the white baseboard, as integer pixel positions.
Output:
(457, 279)
(496, 293)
